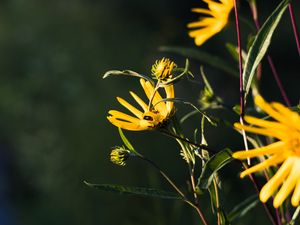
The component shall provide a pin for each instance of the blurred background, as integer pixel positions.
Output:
(54, 102)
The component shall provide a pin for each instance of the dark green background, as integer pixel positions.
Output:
(53, 106)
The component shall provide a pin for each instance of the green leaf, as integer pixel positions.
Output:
(202, 56)
(261, 44)
(223, 216)
(215, 163)
(244, 207)
(139, 191)
(125, 73)
(126, 142)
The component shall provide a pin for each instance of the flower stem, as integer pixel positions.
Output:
(164, 175)
(242, 102)
(195, 206)
(168, 133)
(267, 209)
(294, 27)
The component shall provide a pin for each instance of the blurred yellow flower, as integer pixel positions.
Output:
(218, 13)
(162, 69)
(285, 128)
(153, 115)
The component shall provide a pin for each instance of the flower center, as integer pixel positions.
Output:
(295, 143)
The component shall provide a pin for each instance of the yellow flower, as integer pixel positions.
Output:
(286, 150)
(218, 13)
(153, 115)
(119, 155)
(162, 69)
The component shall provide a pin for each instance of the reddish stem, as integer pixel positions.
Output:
(294, 27)
(242, 103)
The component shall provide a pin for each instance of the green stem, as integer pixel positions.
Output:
(196, 207)
(168, 133)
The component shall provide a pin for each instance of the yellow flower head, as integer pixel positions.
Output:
(162, 69)
(218, 13)
(152, 116)
(119, 156)
(285, 128)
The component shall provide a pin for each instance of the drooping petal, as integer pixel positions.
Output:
(270, 187)
(169, 94)
(288, 185)
(296, 195)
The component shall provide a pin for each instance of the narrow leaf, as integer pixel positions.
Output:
(203, 57)
(126, 142)
(125, 73)
(243, 208)
(260, 45)
(215, 163)
(139, 191)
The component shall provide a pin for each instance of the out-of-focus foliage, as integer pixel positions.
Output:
(53, 105)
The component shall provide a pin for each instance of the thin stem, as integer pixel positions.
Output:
(164, 175)
(278, 81)
(253, 9)
(176, 188)
(267, 209)
(217, 200)
(242, 103)
(294, 27)
(186, 140)
(242, 96)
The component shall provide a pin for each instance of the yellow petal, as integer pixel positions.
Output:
(149, 91)
(122, 116)
(292, 118)
(273, 160)
(288, 185)
(203, 11)
(202, 23)
(270, 187)
(126, 125)
(131, 108)
(266, 150)
(262, 131)
(296, 196)
(272, 112)
(169, 94)
(265, 123)
(139, 101)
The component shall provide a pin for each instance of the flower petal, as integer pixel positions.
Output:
(270, 187)
(122, 116)
(131, 108)
(288, 184)
(139, 101)
(266, 150)
(296, 196)
(126, 125)
(273, 160)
